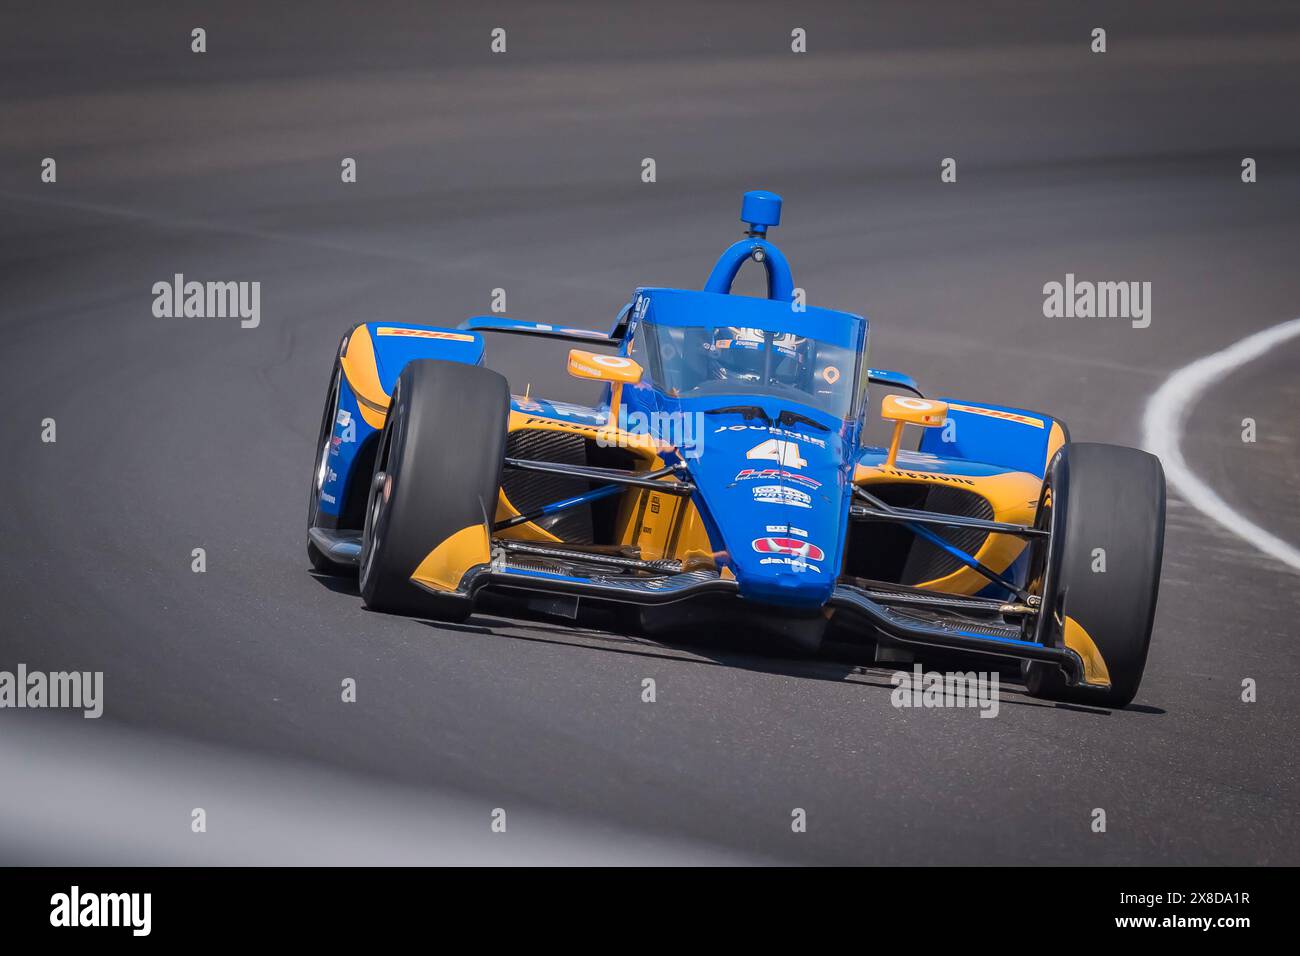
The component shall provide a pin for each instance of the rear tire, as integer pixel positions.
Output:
(437, 471)
(1110, 498)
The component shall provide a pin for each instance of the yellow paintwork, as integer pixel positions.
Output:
(662, 525)
(521, 532)
(1081, 642)
(639, 443)
(904, 410)
(1013, 496)
(603, 368)
(1054, 442)
(913, 411)
(658, 524)
(362, 371)
(444, 566)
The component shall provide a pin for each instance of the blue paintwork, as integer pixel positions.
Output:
(780, 283)
(1015, 446)
(604, 491)
(349, 435)
(932, 463)
(392, 352)
(1001, 640)
(563, 411)
(746, 501)
(760, 209)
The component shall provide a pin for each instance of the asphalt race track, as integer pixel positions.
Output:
(523, 171)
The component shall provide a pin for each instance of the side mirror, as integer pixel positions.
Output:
(905, 410)
(616, 369)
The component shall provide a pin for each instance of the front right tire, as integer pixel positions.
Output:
(1105, 505)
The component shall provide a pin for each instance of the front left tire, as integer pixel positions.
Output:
(437, 471)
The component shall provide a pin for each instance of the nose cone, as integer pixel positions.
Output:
(777, 495)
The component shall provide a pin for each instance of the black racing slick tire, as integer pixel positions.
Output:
(1107, 515)
(437, 471)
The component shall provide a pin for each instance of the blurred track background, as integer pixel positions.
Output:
(522, 171)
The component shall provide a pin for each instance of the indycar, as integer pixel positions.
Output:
(723, 480)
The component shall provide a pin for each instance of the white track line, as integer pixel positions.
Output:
(1162, 429)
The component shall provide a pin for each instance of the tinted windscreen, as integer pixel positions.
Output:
(696, 361)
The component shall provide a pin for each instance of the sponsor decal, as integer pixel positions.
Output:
(798, 564)
(791, 546)
(995, 413)
(786, 529)
(424, 334)
(347, 435)
(773, 430)
(781, 495)
(915, 404)
(926, 476)
(776, 474)
(577, 411)
(571, 426)
(639, 308)
(608, 368)
(328, 499)
(783, 452)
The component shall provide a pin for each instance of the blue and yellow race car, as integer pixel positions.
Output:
(724, 480)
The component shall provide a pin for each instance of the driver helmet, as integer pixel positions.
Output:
(739, 355)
